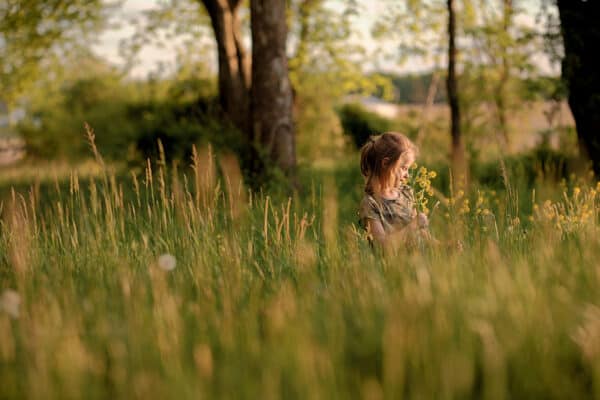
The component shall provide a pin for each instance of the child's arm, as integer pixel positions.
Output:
(422, 220)
(393, 241)
(413, 233)
(388, 243)
(375, 228)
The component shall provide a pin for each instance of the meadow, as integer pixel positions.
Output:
(175, 281)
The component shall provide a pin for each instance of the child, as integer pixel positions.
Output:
(387, 210)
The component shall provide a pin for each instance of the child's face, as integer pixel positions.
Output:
(402, 167)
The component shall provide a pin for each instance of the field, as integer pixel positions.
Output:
(178, 283)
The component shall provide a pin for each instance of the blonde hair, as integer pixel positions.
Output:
(380, 154)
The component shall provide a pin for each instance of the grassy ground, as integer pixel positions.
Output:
(273, 297)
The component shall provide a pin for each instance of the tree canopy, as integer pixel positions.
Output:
(34, 32)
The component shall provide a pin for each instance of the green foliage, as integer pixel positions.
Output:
(326, 64)
(418, 38)
(325, 51)
(527, 168)
(54, 129)
(359, 123)
(179, 126)
(412, 88)
(128, 119)
(181, 25)
(543, 88)
(33, 33)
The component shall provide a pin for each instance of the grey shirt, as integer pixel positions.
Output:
(393, 214)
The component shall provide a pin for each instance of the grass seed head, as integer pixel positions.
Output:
(10, 302)
(167, 262)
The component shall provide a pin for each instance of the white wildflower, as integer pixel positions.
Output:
(10, 302)
(167, 262)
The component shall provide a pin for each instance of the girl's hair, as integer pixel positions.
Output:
(380, 154)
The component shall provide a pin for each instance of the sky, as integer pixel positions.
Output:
(150, 56)
(108, 43)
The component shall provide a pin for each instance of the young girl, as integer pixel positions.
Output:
(387, 210)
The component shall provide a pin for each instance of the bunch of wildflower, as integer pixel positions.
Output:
(483, 203)
(577, 210)
(483, 214)
(458, 204)
(420, 181)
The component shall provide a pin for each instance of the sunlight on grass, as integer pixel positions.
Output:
(178, 283)
(48, 172)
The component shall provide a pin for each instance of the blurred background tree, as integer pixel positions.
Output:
(273, 127)
(580, 67)
(431, 28)
(33, 34)
(342, 58)
(458, 156)
(234, 60)
(326, 65)
(324, 62)
(498, 47)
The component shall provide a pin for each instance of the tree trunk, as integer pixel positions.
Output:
(234, 61)
(580, 71)
(500, 93)
(271, 94)
(431, 92)
(459, 165)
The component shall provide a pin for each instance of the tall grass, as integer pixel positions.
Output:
(283, 298)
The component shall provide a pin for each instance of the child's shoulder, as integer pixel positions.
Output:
(368, 204)
(406, 190)
(368, 199)
(404, 187)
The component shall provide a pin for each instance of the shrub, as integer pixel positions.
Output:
(127, 122)
(359, 124)
(178, 126)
